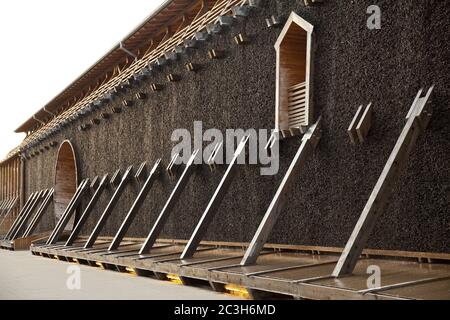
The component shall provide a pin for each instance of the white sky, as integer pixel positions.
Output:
(46, 44)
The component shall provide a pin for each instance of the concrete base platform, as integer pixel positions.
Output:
(285, 273)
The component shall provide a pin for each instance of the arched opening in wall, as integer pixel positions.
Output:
(66, 177)
(293, 88)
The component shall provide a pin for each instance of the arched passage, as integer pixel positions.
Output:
(66, 176)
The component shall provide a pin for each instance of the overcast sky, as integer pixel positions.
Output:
(46, 44)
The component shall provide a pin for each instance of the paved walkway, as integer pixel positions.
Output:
(23, 276)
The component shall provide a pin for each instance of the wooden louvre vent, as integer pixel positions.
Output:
(294, 110)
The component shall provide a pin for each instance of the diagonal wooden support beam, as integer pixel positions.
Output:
(9, 210)
(109, 208)
(135, 207)
(98, 192)
(70, 210)
(23, 212)
(12, 203)
(214, 203)
(417, 121)
(22, 224)
(170, 204)
(7, 204)
(69, 205)
(39, 214)
(309, 142)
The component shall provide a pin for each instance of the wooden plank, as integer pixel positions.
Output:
(297, 113)
(300, 266)
(297, 86)
(297, 93)
(365, 123)
(300, 98)
(352, 127)
(297, 105)
(190, 264)
(297, 118)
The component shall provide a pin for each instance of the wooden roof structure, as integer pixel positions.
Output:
(166, 29)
